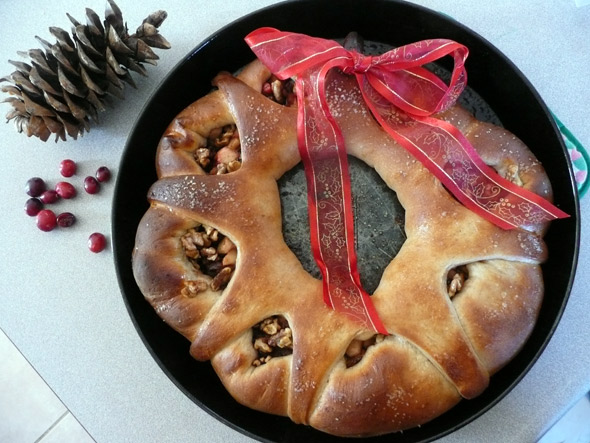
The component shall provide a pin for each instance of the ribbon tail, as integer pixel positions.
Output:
(330, 205)
(445, 152)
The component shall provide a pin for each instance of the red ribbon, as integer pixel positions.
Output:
(402, 95)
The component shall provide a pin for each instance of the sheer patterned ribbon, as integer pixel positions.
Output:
(402, 95)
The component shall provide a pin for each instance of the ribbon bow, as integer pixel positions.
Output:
(402, 95)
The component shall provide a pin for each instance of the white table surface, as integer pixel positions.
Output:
(61, 304)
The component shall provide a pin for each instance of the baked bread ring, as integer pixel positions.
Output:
(459, 300)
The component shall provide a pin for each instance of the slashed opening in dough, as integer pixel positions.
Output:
(271, 338)
(510, 170)
(222, 153)
(212, 255)
(358, 347)
(456, 278)
(280, 91)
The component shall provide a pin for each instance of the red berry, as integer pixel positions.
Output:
(91, 185)
(96, 242)
(103, 174)
(33, 206)
(49, 196)
(66, 219)
(46, 220)
(67, 167)
(267, 89)
(65, 190)
(35, 186)
(226, 155)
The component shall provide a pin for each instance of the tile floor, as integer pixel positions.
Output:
(30, 412)
(573, 427)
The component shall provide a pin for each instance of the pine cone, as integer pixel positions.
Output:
(69, 83)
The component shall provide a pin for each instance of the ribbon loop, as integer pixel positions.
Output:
(403, 96)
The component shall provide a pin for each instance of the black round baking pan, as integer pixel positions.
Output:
(490, 74)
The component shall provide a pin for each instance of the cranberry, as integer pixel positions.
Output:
(65, 190)
(67, 167)
(267, 89)
(49, 196)
(226, 155)
(46, 220)
(91, 185)
(33, 206)
(96, 242)
(66, 219)
(35, 186)
(103, 174)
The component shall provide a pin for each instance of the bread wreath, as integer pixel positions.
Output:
(448, 334)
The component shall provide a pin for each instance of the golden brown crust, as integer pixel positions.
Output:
(162, 281)
(267, 390)
(441, 348)
(499, 325)
(504, 152)
(393, 387)
(189, 129)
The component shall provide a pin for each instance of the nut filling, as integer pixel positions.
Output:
(357, 348)
(280, 91)
(223, 153)
(212, 254)
(456, 279)
(512, 173)
(272, 337)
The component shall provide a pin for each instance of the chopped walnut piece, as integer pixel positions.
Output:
(282, 338)
(456, 280)
(199, 238)
(270, 326)
(210, 253)
(211, 232)
(203, 157)
(512, 174)
(261, 344)
(277, 90)
(225, 245)
(230, 258)
(280, 91)
(222, 149)
(354, 348)
(234, 166)
(272, 337)
(226, 135)
(190, 249)
(222, 278)
(193, 287)
(357, 348)
(234, 143)
(261, 361)
(220, 169)
(456, 284)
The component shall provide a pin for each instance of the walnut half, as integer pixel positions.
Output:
(456, 280)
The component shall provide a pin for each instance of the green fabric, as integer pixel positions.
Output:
(578, 155)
